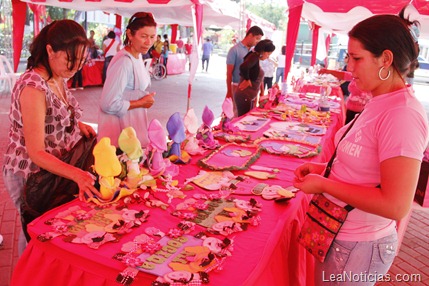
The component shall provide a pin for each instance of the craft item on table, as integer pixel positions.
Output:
(176, 132)
(231, 156)
(184, 253)
(157, 146)
(227, 228)
(133, 153)
(182, 278)
(94, 227)
(108, 167)
(263, 168)
(293, 136)
(244, 212)
(154, 203)
(261, 175)
(251, 123)
(223, 181)
(190, 144)
(299, 127)
(285, 146)
(227, 116)
(205, 132)
(274, 192)
(232, 137)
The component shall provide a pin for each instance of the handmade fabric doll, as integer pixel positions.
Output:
(190, 144)
(205, 134)
(176, 132)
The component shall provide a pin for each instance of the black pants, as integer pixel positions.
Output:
(268, 82)
(77, 78)
(105, 66)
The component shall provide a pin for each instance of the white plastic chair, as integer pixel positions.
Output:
(7, 73)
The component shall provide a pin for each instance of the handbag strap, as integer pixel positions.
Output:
(329, 165)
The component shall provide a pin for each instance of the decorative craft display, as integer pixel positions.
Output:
(190, 144)
(227, 116)
(285, 146)
(232, 137)
(157, 146)
(205, 132)
(93, 227)
(291, 135)
(176, 132)
(231, 156)
(299, 127)
(222, 181)
(251, 123)
(274, 191)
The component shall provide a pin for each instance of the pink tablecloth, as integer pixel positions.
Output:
(264, 255)
(176, 63)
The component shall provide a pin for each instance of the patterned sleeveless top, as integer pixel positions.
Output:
(61, 125)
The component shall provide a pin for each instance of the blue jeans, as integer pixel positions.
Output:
(357, 262)
(280, 73)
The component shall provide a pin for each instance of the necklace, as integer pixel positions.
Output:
(61, 96)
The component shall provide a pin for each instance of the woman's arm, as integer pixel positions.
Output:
(393, 200)
(33, 109)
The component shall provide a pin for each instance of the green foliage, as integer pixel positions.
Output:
(274, 13)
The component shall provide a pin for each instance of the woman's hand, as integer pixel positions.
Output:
(148, 100)
(308, 168)
(85, 181)
(310, 184)
(86, 130)
(244, 84)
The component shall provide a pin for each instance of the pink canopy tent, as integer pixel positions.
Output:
(341, 16)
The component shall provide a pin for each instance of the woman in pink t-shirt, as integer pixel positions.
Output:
(377, 163)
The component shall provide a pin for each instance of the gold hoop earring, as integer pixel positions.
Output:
(383, 78)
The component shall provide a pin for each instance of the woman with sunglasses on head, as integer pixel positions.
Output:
(44, 115)
(124, 100)
(377, 162)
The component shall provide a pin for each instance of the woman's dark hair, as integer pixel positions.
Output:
(387, 32)
(111, 35)
(137, 21)
(265, 45)
(61, 35)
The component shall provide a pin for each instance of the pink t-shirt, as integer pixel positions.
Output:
(391, 125)
(357, 98)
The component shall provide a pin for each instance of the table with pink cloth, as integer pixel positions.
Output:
(316, 88)
(267, 254)
(176, 64)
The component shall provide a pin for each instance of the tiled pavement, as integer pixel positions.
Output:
(412, 260)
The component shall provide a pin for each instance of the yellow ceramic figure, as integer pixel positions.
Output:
(131, 146)
(107, 166)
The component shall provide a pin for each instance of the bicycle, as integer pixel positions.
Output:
(157, 70)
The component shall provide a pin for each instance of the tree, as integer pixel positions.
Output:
(271, 12)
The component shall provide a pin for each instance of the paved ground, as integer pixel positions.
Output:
(208, 89)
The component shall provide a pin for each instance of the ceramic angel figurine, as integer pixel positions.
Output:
(190, 144)
(133, 152)
(205, 132)
(227, 115)
(176, 132)
(107, 166)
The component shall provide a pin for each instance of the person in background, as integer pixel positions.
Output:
(124, 100)
(269, 67)
(377, 164)
(251, 77)
(180, 44)
(235, 58)
(110, 48)
(207, 49)
(77, 81)
(157, 47)
(45, 118)
(93, 47)
(281, 61)
(357, 99)
(344, 84)
(188, 51)
(165, 52)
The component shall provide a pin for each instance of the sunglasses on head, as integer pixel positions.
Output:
(140, 15)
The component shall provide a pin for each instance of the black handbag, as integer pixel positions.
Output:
(44, 190)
